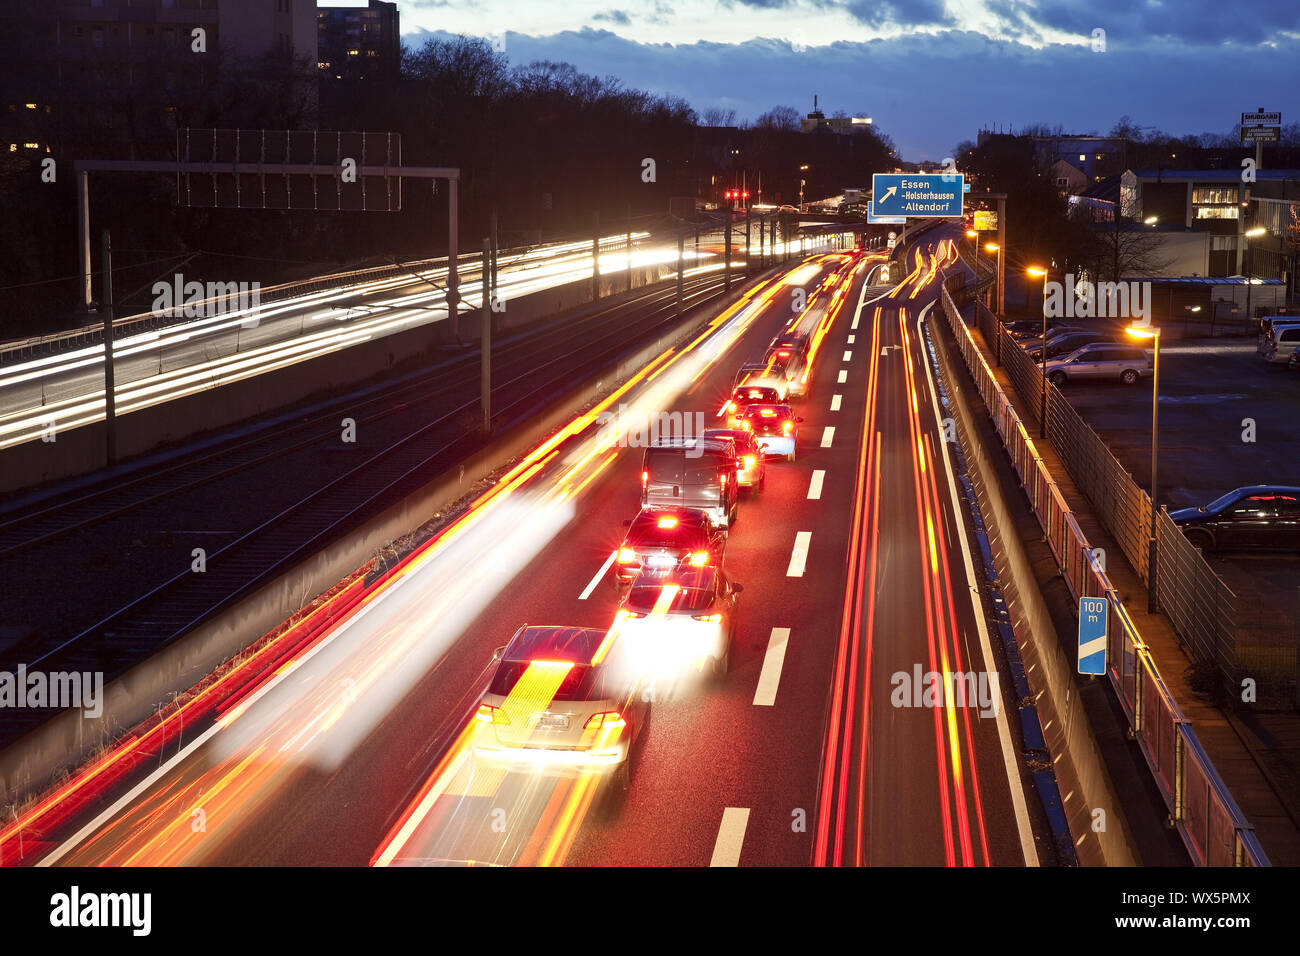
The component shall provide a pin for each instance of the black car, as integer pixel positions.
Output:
(1033, 328)
(665, 540)
(1257, 518)
(1067, 342)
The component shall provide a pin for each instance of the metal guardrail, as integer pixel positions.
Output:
(1212, 826)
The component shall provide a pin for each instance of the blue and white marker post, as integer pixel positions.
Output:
(1094, 614)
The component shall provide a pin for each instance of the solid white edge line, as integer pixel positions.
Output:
(815, 485)
(1027, 847)
(586, 592)
(799, 556)
(769, 678)
(835, 402)
(731, 837)
(828, 436)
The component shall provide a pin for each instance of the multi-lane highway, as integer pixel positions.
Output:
(826, 741)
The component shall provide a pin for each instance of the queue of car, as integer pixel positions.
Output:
(564, 699)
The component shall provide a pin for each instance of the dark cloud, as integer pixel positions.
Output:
(1205, 22)
(906, 13)
(614, 16)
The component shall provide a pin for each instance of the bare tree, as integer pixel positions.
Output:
(716, 116)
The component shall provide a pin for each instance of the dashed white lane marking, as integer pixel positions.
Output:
(599, 574)
(844, 376)
(769, 678)
(799, 556)
(828, 436)
(835, 402)
(731, 837)
(848, 356)
(851, 338)
(815, 486)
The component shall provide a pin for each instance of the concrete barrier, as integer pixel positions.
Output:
(33, 763)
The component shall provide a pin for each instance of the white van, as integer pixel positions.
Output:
(1278, 338)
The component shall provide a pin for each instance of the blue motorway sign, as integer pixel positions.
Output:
(884, 220)
(918, 195)
(1093, 617)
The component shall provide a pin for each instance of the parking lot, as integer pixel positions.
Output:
(1227, 419)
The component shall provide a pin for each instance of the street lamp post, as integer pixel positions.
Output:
(1042, 356)
(1154, 335)
(802, 182)
(1250, 261)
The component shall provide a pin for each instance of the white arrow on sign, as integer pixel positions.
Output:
(889, 192)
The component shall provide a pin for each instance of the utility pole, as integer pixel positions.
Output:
(681, 259)
(495, 248)
(726, 242)
(595, 258)
(485, 347)
(110, 396)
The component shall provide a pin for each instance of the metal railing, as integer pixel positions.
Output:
(1212, 826)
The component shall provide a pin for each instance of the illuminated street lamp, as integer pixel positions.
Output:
(802, 182)
(1042, 355)
(994, 247)
(1250, 234)
(1146, 332)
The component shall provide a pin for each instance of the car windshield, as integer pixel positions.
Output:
(1218, 504)
(580, 682)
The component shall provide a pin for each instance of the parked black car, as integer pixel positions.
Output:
(1258, 518)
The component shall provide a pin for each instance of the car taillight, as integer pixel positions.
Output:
(731, 406)
(699, 559)
(668, 522)
(787, 426)
(709, 618)
(626, 556)
(745, 425)
(722, 479)
(609, 719)
(749, 461)
(624, 614)
(645, 476)
(491, 715)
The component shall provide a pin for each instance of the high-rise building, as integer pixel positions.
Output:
(356, 43)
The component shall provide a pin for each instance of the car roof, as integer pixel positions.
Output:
(705, 442)
(1267, 489)
(686, 516)
(550, 642)
(759, 406)
(735, 434)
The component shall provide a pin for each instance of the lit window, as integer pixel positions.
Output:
(1082, 157)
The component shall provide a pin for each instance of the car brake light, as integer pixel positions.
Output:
(668, 522)
(699, 559)
(610, 719)
(624, 614)
(749, 461)
(731, 406)
(626, 556)
(787, 426)
(745, 424)
(491, 715)
(709, 618)
(722, 479)
(645, 476)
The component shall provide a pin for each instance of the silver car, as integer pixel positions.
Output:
(1102, 361)
(558, 704)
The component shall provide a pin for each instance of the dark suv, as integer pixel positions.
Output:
(665, 540)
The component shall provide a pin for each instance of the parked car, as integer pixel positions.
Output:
(1279, 341)
(1033, 328)
(1052, 336)
(1102, 361)
(1294, 364)
(1067, 343)
(1257, 517)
